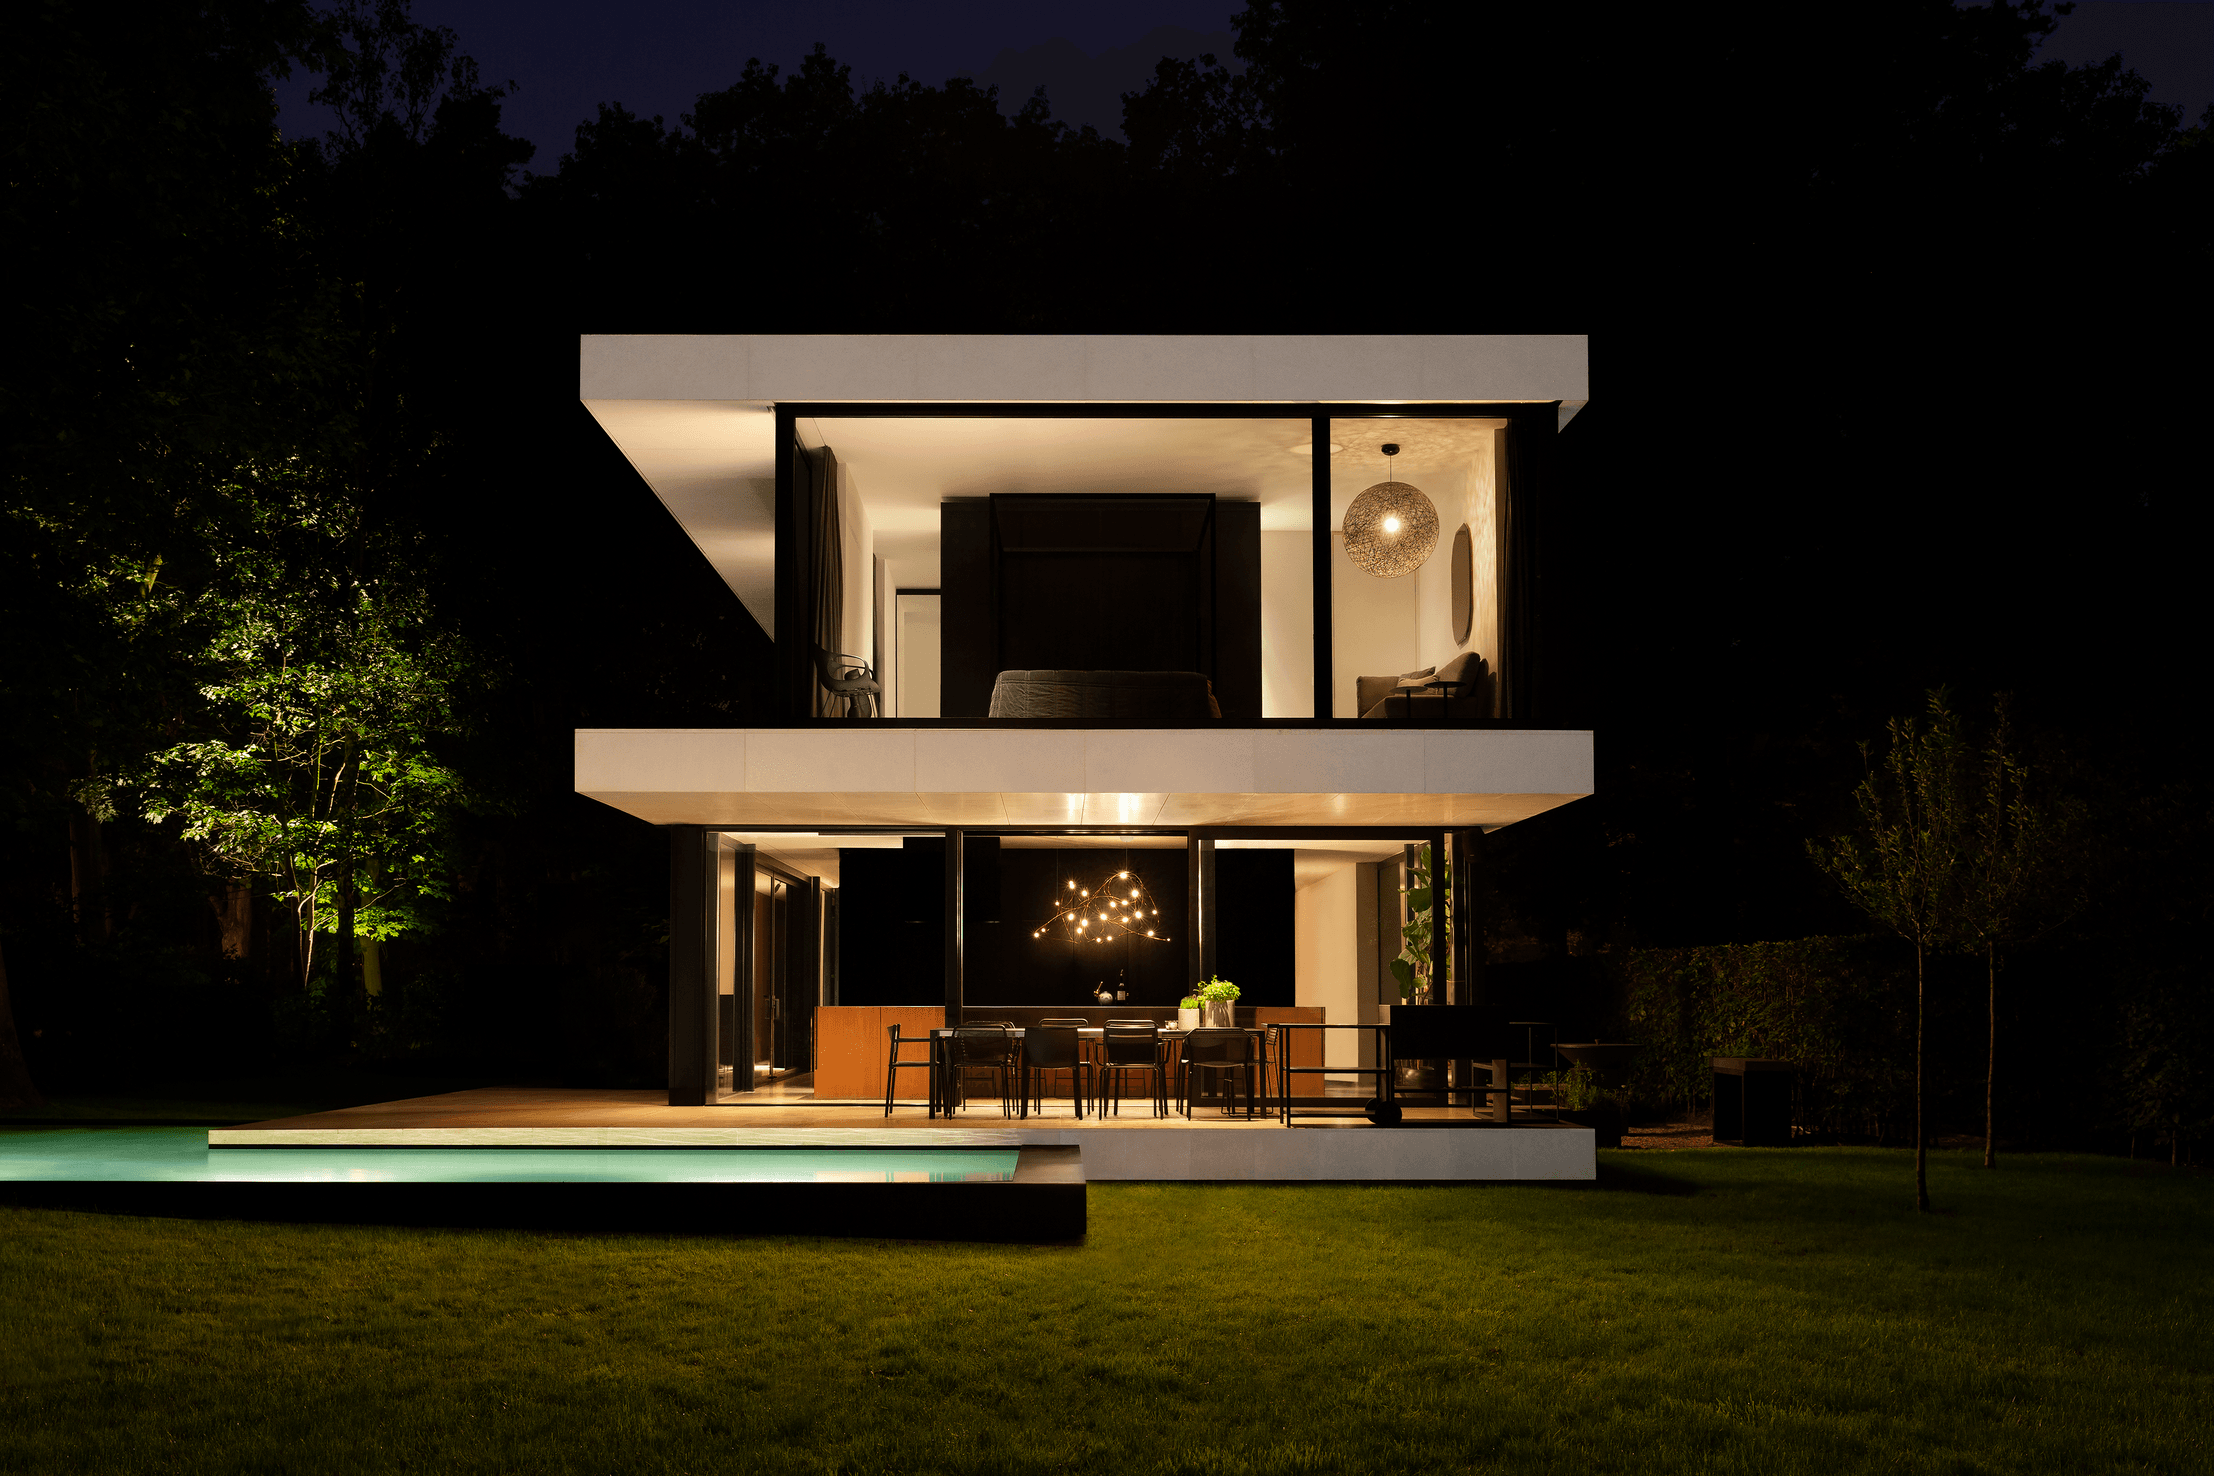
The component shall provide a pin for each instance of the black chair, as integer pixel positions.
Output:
(1083, 1046)
(1047, 1049)
(1211, 1051)
(892, 1067)
(982, 1048)
(1475, 1033)
(849, 679)
(1128, 1048)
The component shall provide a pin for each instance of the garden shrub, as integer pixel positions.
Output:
(1840, 1009)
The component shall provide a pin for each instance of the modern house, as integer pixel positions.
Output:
(1224, 629)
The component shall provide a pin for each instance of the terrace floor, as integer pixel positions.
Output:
(1133, 1145)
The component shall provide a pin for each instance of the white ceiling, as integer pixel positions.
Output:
(713, 465)
(693, 415)
(816, 854)
(903, 467)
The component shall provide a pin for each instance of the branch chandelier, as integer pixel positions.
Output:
(1119, 907)
(1391, 528)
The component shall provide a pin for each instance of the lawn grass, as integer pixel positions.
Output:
(1714, 1311)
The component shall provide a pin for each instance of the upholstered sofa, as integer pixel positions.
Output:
(1459, 691)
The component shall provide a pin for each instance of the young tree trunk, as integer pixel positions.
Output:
(372, 952)
(16, 1086)
(348, 961)
(87, 875)
(1991, 1054)
(1921, 1134)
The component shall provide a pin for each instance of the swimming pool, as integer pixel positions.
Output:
(182, 1155)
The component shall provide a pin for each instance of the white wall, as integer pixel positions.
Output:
(915, 649)
(1374, 627)
(1327, 959)
(1287, 625)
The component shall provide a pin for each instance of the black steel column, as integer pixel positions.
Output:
(745, 983)
(692, 1001)
(1325, 677)
(956, 907)
(1199, 906)
(1468, 928)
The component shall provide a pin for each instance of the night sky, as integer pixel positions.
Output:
(568, 56)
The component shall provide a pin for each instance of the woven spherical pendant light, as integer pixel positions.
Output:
(1391, 529)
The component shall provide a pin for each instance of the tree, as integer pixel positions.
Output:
(2019, 881)
(329, 697)
(1906, 863)
(1412, 967)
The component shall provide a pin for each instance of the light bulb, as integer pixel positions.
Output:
(1072, 886)
(1391, 525)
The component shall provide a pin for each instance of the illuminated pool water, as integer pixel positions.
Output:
(182, 1155)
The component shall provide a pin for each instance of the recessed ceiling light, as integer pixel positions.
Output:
(1307, 448)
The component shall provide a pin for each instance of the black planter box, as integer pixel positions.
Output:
(1752, 1102)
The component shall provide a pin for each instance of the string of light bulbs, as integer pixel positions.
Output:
(1119, 907)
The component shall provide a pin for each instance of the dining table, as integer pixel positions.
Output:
(941, 1085)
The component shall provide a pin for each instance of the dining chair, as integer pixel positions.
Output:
(1084, 1047)
(1047, 1049)
(1124, 1049)
(1210, 1051)
(893, 1065)
(984, 1048)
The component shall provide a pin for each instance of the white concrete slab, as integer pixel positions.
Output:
(879, 774)
(1242, 1154)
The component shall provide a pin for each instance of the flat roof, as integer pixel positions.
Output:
(1104, 368)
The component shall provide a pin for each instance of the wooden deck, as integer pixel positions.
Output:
(771, 1108)
(1432, 1145)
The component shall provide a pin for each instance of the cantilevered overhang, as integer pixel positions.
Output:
(694, 413)
(1024, 777)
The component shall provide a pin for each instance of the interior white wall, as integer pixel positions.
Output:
(1326, 960)
(1486, 476)
(1433, 582)
(916, 652)
(1287, 625)
(1374, 629)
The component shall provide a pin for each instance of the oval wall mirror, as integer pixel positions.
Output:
(1464, 585)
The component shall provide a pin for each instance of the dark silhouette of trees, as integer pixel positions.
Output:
(1818, 253)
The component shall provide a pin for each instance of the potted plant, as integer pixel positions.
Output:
(1217, 998)
(1187, 1013)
